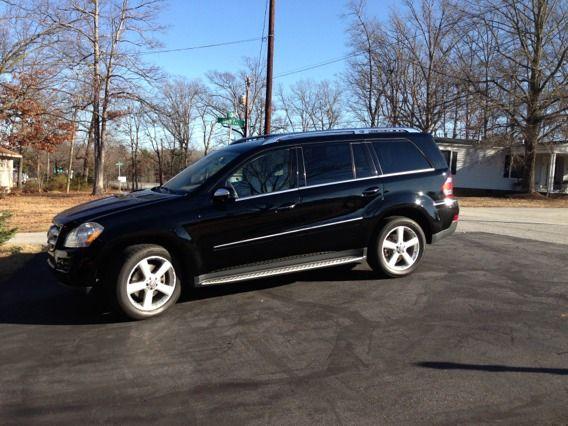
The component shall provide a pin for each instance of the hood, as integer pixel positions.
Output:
(109, 205)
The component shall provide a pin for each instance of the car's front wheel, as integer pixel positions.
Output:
(398, 247)
(147, 283)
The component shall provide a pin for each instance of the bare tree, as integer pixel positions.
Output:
(207, 118)
(109, 34)
(529, 75)
(227, 89)
(176, 110)
(311, 106)
(364, 72)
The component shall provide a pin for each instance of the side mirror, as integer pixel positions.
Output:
(222, 195)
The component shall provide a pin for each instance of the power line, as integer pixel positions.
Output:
(203, 46)
(262, 36)
(319, 64)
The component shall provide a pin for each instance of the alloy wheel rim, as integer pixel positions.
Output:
(151, 283)
(400, 248)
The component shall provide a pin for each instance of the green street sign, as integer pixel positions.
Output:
(229, 121)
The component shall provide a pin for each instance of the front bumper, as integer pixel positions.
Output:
(445, 232)
(72, 267)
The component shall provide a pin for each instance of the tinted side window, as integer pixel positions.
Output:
(273, 171)
(399, 156)
(363, 163)
(327, 162)
(451, 158)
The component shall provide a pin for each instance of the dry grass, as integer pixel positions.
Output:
(14, 257)
(514, 201)
(34, 212)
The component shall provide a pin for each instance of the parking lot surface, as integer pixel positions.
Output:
(479, 333)
(540, 224)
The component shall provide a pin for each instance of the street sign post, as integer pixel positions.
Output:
(230, 121)
(226, 121)
(119, 165)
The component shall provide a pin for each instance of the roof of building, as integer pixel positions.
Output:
(7, 153)
(488, 144)
(456, 141)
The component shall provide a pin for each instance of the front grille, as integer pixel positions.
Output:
(52, 236)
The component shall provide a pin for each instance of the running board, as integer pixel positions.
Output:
(233, 275)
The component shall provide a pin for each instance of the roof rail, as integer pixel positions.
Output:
(333, 132)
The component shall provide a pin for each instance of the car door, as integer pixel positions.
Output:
(253, 226)
(340, 180)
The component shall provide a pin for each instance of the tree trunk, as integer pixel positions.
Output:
(98, 184)
(88, 150)
(531, 138)
(20, 170)
(70, 165)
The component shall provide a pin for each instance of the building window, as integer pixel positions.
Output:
(451, 158)
(514, 166)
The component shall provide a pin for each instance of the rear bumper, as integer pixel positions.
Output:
(445, 232)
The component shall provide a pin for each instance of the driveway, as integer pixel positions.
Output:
(540, 224)
(478, 334)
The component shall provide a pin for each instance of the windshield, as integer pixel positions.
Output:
(194, 175)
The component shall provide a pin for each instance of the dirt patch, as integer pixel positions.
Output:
(34, 212)
(15, 257)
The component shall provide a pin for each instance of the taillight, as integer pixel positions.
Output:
(448, 188)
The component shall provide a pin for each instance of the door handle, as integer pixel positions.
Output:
(372, 192)
(287, 206)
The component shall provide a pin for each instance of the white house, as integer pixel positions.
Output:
(7, 168)
(478, 167)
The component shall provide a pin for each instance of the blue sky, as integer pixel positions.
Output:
(307, 32)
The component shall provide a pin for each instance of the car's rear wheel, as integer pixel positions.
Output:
(147, 283)
(398, 247)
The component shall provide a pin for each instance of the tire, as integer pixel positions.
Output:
(393, 257)
(147, 282)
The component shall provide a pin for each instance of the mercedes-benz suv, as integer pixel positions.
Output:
(260, 207)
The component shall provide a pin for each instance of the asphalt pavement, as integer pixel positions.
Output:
(478, 334)
(540, 224)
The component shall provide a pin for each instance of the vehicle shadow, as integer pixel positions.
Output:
(33, 296)
(491, 368)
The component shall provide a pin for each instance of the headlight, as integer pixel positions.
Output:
(83, 235)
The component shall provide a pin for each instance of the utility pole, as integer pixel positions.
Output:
(269, 62)
(247, 86)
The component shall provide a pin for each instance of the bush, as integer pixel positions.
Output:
(30, 186)
(56, 183)
(5, 232)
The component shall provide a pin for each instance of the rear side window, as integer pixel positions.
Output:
(363, 164)
(327, 162)
(399, 156)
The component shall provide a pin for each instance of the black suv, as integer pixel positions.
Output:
(260, 207)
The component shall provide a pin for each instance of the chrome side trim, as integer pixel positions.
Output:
(431, 169)
(280, 270)
(369, 177)
(446, 202)
(266, 194)
(287, 232)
